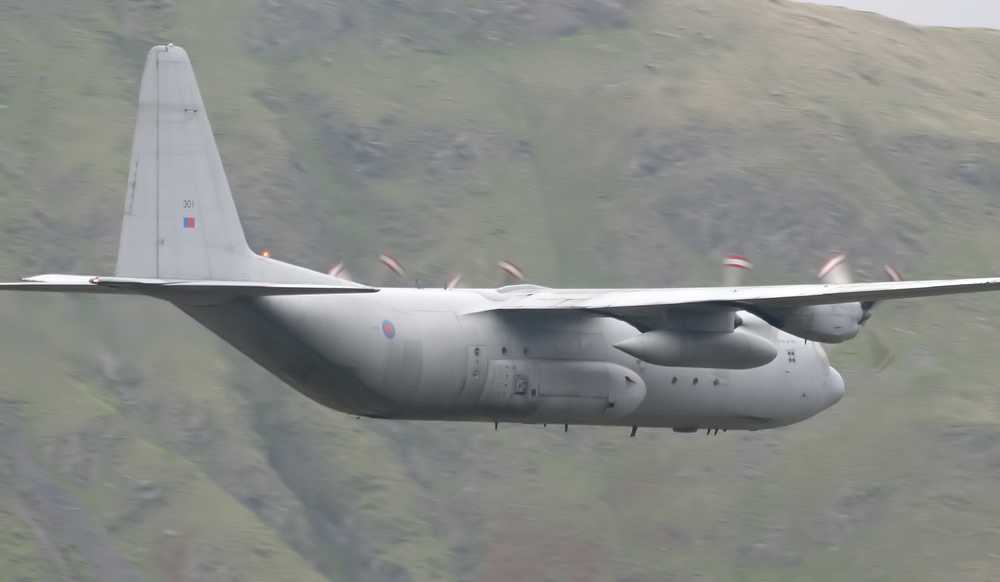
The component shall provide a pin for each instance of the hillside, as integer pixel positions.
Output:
(596, 142)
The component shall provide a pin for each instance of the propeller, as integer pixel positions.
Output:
(513, 273)
(339, 271)
(882, 356)
(836, 271)
(392, 264)
(735, 268)
(894, 276)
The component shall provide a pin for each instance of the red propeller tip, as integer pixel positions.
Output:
(392, 264)
(737, 262)
(511, 269)
(831, 264)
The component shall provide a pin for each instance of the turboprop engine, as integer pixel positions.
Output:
(735, 350)
(833, 323)
(823, 323)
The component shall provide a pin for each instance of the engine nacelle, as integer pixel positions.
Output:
(735, 350)
(822, 323)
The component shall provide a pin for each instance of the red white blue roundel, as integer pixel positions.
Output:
(388, 329)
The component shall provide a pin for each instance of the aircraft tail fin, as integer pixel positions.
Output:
(180, 221)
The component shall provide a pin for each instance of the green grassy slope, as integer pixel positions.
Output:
(596, 143)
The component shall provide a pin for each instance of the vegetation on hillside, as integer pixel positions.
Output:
(596, 142)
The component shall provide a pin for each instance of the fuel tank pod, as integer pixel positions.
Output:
(736, 350)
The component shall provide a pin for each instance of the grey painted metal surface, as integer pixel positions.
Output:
(629, 357)
(180, 219)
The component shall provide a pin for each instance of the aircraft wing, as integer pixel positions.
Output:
(172, 288)
(637, 305)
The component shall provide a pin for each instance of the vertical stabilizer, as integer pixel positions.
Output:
(180, 220)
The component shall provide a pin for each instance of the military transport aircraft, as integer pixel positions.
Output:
(731, 357)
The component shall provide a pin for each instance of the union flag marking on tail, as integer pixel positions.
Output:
(188, 222)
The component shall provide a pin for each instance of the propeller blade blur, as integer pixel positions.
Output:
(835, 271)
(512, 271)
(735, 269)
(339, 271)
(392, 264)
(882, 356)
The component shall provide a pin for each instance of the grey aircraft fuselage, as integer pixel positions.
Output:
(434, 354)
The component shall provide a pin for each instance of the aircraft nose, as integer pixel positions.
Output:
(835, 387)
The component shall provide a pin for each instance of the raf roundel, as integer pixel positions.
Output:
(388, 329)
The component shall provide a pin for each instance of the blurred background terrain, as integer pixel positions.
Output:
(596, 143)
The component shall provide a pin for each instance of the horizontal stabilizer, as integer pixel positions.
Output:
(170, 289)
